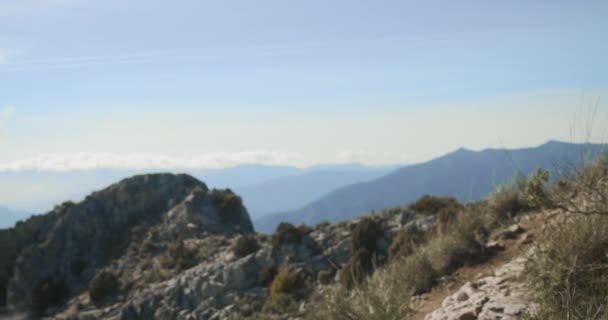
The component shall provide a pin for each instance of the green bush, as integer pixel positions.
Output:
(286, 233)
(507, 201)
(244, 246)
(365, 235)
(404, 243)
(569, 271)
(364, 256)
(432, 205)
(536, 193)
(104, 285)
(227, 202)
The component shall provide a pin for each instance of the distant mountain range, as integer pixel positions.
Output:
(465, 174)
(9, 217)
(294, 191)
(265, 189)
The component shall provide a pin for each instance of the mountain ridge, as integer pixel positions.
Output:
(465, 174)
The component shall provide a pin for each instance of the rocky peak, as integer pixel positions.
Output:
(86, 236)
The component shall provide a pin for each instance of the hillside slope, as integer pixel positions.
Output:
(287, 193)
(464, 174)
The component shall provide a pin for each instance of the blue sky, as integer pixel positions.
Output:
(216, 83)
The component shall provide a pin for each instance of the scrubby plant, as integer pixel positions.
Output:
(432, 205)
(365, 235)
(104, 285)
(244, 246)
(179, 256)
(266, 275)
(405, 243)
(286, 233)
(384, 296)
(569, 271)
(227, 202)
(364, 256)
(507, 201)
(286, 281)
(283, 290)
(536, 190)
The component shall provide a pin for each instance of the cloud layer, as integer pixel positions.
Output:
(137, 161)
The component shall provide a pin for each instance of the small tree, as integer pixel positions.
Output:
(536, 192)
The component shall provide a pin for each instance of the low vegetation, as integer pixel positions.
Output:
(287, 233)
(569, 271)
(244, 246)
(284, 289)
(103, 286)
(365, 255)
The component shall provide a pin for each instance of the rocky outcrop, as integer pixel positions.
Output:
(97, 231)
(500, 296)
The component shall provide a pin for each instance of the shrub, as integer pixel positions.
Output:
(179, 256)
(286, 233)
(304, 229)
(325, 276)
(359, 266)
(364, 255)
(51, 291)
(417, 272)
(536, 193)
(404, 243)
(322, 225)
(104, 285)
(463, 244)
(569, 271)
(286, 282)
(266, 275)
(283, 291)
(227, 202)
(385, 296)
(281, 303)
(507, 201)
(365, 235)
(244, 246)
(432, 205)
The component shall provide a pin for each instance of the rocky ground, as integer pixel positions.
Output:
(494, 290)
(176, 250)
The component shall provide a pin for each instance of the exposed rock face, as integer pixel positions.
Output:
(168, 241)
(500, 296)
(198, 215)
(91, 234)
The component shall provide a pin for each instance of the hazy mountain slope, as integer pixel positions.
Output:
(295, 191)
(9, 217)
(465, 174)
(38, 191)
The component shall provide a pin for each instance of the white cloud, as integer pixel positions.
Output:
(2, 56)
(137, 161)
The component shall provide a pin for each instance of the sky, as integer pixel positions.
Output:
(208, 84)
